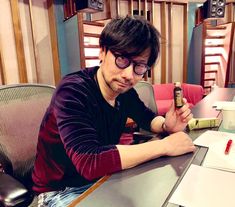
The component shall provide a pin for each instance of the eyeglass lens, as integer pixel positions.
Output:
(123, 62)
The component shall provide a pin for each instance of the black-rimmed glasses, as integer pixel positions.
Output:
(123, 62)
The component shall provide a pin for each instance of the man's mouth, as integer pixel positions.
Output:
(123, 85)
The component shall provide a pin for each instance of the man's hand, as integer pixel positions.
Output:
(177, 144)
(173, 145)
(177, 119)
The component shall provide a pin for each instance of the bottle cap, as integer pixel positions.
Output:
(177, 84)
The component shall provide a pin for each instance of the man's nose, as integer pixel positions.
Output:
(128, 73)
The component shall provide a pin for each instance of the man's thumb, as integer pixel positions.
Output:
(172, 107)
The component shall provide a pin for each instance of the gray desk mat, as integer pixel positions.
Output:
(148, 185)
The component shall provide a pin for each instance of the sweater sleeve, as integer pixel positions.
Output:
(79, 135)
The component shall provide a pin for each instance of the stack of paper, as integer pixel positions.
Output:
(216, 142)
(205, 187)
(210, 184)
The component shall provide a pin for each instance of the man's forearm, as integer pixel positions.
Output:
(173, 145)
(132, 155)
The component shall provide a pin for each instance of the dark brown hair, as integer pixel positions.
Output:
(131, 36)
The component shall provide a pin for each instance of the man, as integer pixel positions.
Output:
(80, 132)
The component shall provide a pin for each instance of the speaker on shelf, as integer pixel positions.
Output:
(214, 9)
(90, 6)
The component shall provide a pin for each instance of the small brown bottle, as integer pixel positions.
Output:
(178, 95)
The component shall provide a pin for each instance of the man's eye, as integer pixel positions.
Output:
(123, 59)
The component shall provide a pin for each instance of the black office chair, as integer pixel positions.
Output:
(146, 94)
(22, 107)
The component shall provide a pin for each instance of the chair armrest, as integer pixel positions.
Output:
(12, 192)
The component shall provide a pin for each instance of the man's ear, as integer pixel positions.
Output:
(102, 54)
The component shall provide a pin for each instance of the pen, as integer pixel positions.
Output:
(228, 146)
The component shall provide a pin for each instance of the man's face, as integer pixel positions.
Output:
(117, 79)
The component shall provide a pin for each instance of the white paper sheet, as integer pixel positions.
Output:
(205, 187)
(217, 142)
(210, 137)
(220, 104)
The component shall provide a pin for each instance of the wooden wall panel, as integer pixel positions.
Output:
(230, 75)
(7, 42)
(81, 39)
(164, 44)
(28, 43)
(229, 12)
(185, 43)
(42, 42)
(54, 43)
(157, 24)
(131, 5)
(124, 7)
(177, 43)
(18, 41)
(2, 69)
(170, 47)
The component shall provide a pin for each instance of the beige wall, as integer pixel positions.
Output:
(7, 43)
(34, 32)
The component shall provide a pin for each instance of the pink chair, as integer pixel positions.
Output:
(159, 97)
(164, 94)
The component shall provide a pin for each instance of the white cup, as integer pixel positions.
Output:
(228, 113)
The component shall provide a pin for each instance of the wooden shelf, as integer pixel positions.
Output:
(211, 71)
(220, 45)
(97, 24)
(91, 46)
(207, 87)
(209, 79)
(215, 37)
(91, 57)
(215, 54)
(91, 35)
(212, 63)
(217, 28)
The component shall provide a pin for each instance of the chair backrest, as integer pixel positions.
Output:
(146, 94)
(193, 92)
(22, 107)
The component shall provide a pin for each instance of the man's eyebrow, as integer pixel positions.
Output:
(140, 59)
(135, 58)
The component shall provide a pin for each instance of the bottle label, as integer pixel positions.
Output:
(178, 99)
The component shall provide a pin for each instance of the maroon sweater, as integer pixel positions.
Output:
(79, 131)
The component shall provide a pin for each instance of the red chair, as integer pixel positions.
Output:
(164, 94)
(158, 97)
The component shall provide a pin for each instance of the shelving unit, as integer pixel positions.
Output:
(216, 50)
(89, 33)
